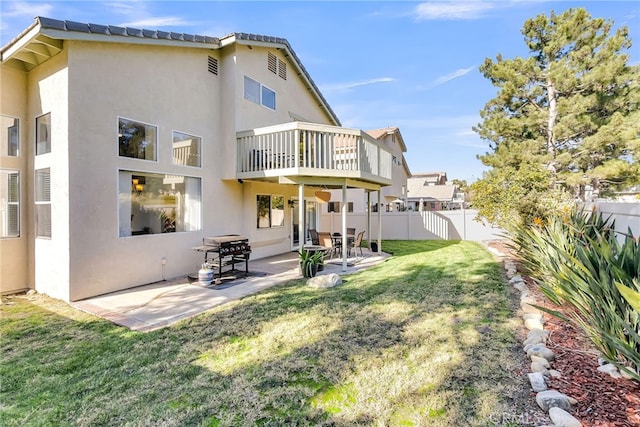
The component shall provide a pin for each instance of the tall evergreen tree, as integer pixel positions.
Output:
(572, 108)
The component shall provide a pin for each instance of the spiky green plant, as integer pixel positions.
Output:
(577, 259)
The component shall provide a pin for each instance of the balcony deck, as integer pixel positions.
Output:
(299, 151)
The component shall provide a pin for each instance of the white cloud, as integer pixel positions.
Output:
(451, 10)
(448, 77)
(31, 10)
(158, 21)
(346, 86)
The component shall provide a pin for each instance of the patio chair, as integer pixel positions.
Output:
(314, 237)
(327, 242)
(357, 244)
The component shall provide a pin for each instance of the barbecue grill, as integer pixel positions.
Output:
(224, 251)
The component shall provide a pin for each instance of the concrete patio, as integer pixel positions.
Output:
(154, 306)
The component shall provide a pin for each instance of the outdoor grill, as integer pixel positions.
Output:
(223, 251)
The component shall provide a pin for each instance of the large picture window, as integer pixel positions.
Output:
(43, 134)
(152, 203)
(186, 149)
(137, 140)
(43, 202)
(270, 210)
(9, 137)
(258, 93)
(9, 203)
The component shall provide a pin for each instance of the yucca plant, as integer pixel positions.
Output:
(576, 259)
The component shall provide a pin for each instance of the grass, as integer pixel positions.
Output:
(426, 338)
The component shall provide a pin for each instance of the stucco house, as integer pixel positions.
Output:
(392, 197)
(430, 191)
(122, 148)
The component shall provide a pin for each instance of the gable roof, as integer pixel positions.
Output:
(380, 133)
(417, 190)
(43, 39)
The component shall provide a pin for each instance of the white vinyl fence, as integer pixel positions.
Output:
(625, 215)
(412, 225)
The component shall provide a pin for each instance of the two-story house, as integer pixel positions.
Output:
(122, 148)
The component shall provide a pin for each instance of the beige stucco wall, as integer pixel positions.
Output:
(171, 89)
(48, 87)
(14, 269)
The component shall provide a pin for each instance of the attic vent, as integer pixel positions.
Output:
(271, 62)
(282, 69)
(213, 65)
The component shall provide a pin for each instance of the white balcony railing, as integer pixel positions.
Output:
(310, 149)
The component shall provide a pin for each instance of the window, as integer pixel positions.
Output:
(43, 202)
(259, 94)
(9, 142)
(335, 207)
(186, 149)
(152, 203)
(43, 134)
(270, 210)
(137, 140)
(9, 203)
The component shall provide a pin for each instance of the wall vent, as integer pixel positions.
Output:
(271, 62)
(282, 69)
(213, 65)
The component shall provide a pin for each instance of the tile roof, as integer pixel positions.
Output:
(417, 190)
(112, 30)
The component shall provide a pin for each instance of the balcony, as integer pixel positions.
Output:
(292, 151)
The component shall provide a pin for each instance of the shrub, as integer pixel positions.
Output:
(576, 259)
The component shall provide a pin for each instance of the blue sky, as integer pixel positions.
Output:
(408, 64)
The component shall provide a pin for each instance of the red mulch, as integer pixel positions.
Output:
(602, 400)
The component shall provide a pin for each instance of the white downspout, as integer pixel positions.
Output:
(343, 209)
(379, 223)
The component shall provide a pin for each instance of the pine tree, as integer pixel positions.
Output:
(572, 108)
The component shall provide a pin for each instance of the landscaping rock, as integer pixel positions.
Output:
(325, 281)
(543, 334)
(537, 367)
(537, 316)
(554, 399)
(562, 418)
(516, 279)
(541, 360)
(626, 373)
(611, 370)
(537, 381)
(542, 351)
(532, 324)
(554, 373)
(521, 286)
(535, 339)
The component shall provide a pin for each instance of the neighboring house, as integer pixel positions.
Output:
(393, 196)
(122, 148)
(430, 192)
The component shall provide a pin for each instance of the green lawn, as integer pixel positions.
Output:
(426, 338)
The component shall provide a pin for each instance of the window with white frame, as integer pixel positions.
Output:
(256, 92)
(335, 207)
(43, 134)
(186, 149)
(43, 202)
(10, 137)
(9, 203)
(270, 210)
(153, 203)
(136, 139)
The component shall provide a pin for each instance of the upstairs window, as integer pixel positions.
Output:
(9, 139)
(43, 134)
(137, 140)
(9, 203)
(259, 94)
